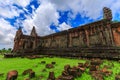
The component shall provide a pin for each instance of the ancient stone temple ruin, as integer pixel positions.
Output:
(101, 37)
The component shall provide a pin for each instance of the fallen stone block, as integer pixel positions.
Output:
(106, 72)
(87, 64)
(67, 67)
(25, 72)
(65, 73)
(31, 74)
(49, 66)
(93, 68)
(80, 65)
(117, 77)
(65, 78)
(12, 75)
(73, 72)
(51, 76)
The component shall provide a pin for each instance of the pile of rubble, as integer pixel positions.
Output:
(96, 72)
(70, 73)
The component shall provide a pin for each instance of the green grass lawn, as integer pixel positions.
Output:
(21, 64)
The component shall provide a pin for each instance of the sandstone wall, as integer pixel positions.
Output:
(94, 34)
(116, 34)
(55, 41)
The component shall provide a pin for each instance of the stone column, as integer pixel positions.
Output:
(70, 40)
(111, 34)
(87, 37)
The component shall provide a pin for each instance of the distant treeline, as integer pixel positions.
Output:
(2, 51)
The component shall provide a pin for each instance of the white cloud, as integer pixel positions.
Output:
(116, 9)
(22, 3)
(87, 8)
(42, 18)
(9, 11)
(64, 26)
(7, 33)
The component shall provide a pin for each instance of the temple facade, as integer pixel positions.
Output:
(102, 33)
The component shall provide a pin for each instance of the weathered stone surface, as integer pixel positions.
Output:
(87, 64)
(65, 78)
(81, 69)
(117, 77)
(93, 68)
(25, 72)
(106, 72)
(73, 72)
(65, 73)
(12, 75)
(8, 55)
(97, 75)
(67, 67)
(31, 74)
(80, 65)
(96, 62)
(51, 76)
(107, 13)
(49, 66)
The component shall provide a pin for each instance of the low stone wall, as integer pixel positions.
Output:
(11, 55)
(103, 53)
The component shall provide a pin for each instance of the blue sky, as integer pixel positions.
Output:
(49, 16)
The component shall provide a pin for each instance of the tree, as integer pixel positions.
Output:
(115, 21)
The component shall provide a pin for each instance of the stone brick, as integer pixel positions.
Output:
(31, 74)
(51, 76)
(49, 66)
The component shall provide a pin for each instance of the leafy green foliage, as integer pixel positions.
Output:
(2, 51)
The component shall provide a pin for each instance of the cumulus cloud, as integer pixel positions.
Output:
(64, 26)
(24, 3)
(7, 33)
(42, 18)
(8, 10)
(87, 8)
